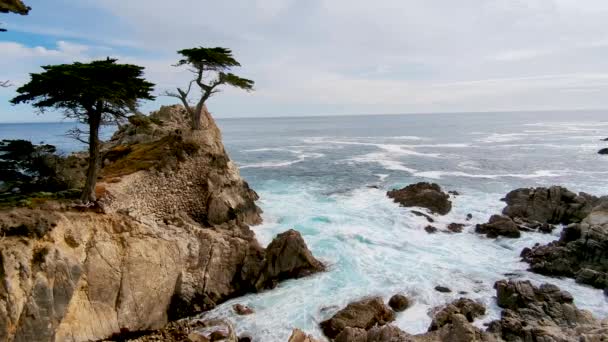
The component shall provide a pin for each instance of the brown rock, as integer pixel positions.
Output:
(499, 226)
(299, 336)
(463, 306)
(363, 314)
(579, 253)
(287, 257)
(455, 227)
(399, 302)
(242, 310)
(424, 195)
(542, 313)
(555, 205)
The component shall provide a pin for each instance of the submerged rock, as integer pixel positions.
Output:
(455, 227)
(442, 289)
(425, 195)
(430, 229)
(580, 253)
(542, 313)
(363, 314)
(421, 214)
(399, 302)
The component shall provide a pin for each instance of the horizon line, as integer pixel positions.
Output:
(355, 114)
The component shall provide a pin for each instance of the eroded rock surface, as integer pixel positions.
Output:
(580, 253)
(499, 225)
(363, 314)
(169, 239)
(543, 313)
(554, 205)
(425, 195)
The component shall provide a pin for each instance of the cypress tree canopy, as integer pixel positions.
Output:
(84, 86)
(14, 6)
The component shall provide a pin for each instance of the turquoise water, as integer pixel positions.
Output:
(314, 175)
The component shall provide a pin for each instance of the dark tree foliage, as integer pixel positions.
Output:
(13, 6)
(27, 166)
(211, 68)
(95, 93)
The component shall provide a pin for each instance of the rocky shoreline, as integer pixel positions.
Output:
(170, 238)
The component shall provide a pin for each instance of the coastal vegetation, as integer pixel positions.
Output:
(96, 93)
(13, 6)
(207, 63)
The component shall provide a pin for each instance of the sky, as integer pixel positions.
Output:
(332, 57)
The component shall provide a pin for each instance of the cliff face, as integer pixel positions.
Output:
(170, 239)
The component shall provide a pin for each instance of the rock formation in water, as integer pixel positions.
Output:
(542, 313)
(530, 313)
(169, 238)
(538, 209)
(580, 253)
(554, 205)
(425, 195)
(363, 314)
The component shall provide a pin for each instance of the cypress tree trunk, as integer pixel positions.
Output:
(196, 117)
(88, 193)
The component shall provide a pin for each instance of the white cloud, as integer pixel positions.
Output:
(353, 56)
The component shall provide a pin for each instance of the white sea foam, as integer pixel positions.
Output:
(440, 174)
(382, 159)
(374, 247)
(283, 163)
(499, 138)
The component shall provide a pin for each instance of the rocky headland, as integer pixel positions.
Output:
(168, 238)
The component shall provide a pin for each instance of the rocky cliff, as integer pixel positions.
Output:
(169, 238)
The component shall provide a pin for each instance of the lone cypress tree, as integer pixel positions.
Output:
(95, 93)
(207, 63)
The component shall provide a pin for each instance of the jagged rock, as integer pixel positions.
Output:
(287, 257)
(430, 229)
(580, 253)
(299, 336)
(167, 170)
(425, 195)
(555, 205)
(242, 310)
(160, 245)
(455, 227)
(463, 306)
(399, 302)
(442, 289)
(542, 313)
(363, 314)
(499, 225)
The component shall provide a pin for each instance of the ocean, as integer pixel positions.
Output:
(327, 177)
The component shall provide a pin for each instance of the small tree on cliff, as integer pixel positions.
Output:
(211, 68)
(95, 93)
(13, 6)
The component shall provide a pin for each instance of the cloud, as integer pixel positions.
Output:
(351, 56)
